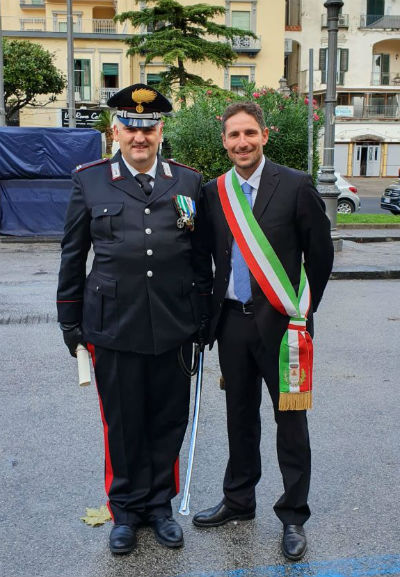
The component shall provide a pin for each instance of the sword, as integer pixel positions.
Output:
(184, 507)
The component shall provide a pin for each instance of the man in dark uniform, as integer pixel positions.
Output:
(287, 210)
(135, 310)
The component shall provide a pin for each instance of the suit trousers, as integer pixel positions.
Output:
(144, 404)
(244, 361)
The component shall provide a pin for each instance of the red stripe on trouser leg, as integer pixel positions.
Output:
(176, 475)
(109, 475)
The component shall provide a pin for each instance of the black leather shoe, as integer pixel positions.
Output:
(122, 539)
(294, 542)
(168, 532)
(219, 515)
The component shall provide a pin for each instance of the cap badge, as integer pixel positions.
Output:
(143, 95)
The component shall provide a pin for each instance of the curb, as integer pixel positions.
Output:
(368, 225)
(371, 274)
(29, 239)
(365, 239)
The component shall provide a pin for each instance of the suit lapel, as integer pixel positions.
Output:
(163, 182)
(268, 183)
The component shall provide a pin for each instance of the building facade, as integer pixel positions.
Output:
(368, 78)
(101, 66)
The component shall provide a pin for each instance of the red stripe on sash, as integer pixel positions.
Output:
(109, 474)
(245, 250)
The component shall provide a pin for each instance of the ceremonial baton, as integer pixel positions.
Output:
(184, 508)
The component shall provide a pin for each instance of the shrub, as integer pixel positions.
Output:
(194, 132)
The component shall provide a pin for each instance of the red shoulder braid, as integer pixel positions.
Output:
(81, 167)
(171, 161)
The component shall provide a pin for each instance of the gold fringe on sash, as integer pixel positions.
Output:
(295, 401)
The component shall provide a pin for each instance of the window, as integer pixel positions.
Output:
(82, 79)
(110, 75)
(153, 80)
(241, 20)
(341, 67)
(380, 69)
(62, 26)
(237, 82)
(375, 9)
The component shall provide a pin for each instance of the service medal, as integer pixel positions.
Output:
(186, 209)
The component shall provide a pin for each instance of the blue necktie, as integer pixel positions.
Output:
(241, 275)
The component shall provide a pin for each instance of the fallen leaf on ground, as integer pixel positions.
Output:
(96, 517)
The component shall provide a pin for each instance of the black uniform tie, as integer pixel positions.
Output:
(144, 182)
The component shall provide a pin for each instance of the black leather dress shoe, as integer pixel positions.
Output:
(122, 539)
(168, 532)
(219, 515)
(294, 542)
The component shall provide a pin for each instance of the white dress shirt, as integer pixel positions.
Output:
(152, 172)
(254, 182)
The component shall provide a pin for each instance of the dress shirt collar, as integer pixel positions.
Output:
(254, 179)
(152, 172)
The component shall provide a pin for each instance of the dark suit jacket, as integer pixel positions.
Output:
(132, 299)
(292, 215)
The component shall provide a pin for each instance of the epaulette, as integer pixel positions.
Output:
(89, 164)
(184, 165)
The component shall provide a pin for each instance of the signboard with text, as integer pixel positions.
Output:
(84, 117)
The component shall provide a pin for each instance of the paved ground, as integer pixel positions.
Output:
(52, 450)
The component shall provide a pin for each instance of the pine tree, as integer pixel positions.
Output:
(181, 35)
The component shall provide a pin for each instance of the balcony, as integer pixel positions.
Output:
(368, 111)
(246, 44)
(106, 93)
(383, 79)
(342, 23)
(101, 26)
(386, 22)
(83, 94)
(28, 4)
(32, 24)
(380, 111)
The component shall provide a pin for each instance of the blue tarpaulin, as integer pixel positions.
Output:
(33, 207)
(35, 176)
(30, 152)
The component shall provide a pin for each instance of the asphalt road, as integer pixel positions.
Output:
(52, 448)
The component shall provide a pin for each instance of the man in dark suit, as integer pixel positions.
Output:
(135, 310)
(249, 329)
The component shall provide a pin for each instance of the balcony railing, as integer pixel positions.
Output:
(32, 24)
(388, 21)
(246, 44)
(343, 21)
(83, 93)
(385, 79)
(31, 3)
(101, 26)
(106, 93)
(380, 111)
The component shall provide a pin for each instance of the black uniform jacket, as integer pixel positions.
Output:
(140, 294)
(292, 216)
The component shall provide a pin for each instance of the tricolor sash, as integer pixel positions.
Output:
(296, 349)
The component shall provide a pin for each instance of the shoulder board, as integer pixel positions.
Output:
(184, 165)
(89, 164)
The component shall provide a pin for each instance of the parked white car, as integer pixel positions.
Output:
(348, 200)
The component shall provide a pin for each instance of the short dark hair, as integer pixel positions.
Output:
(251, 108)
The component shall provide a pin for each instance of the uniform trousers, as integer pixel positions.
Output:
(244, 361)
(144, 404)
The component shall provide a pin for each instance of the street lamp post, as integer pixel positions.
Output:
(70, 59)
(327, 178)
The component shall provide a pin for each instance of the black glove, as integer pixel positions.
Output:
(72, 334)
(203, 332)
